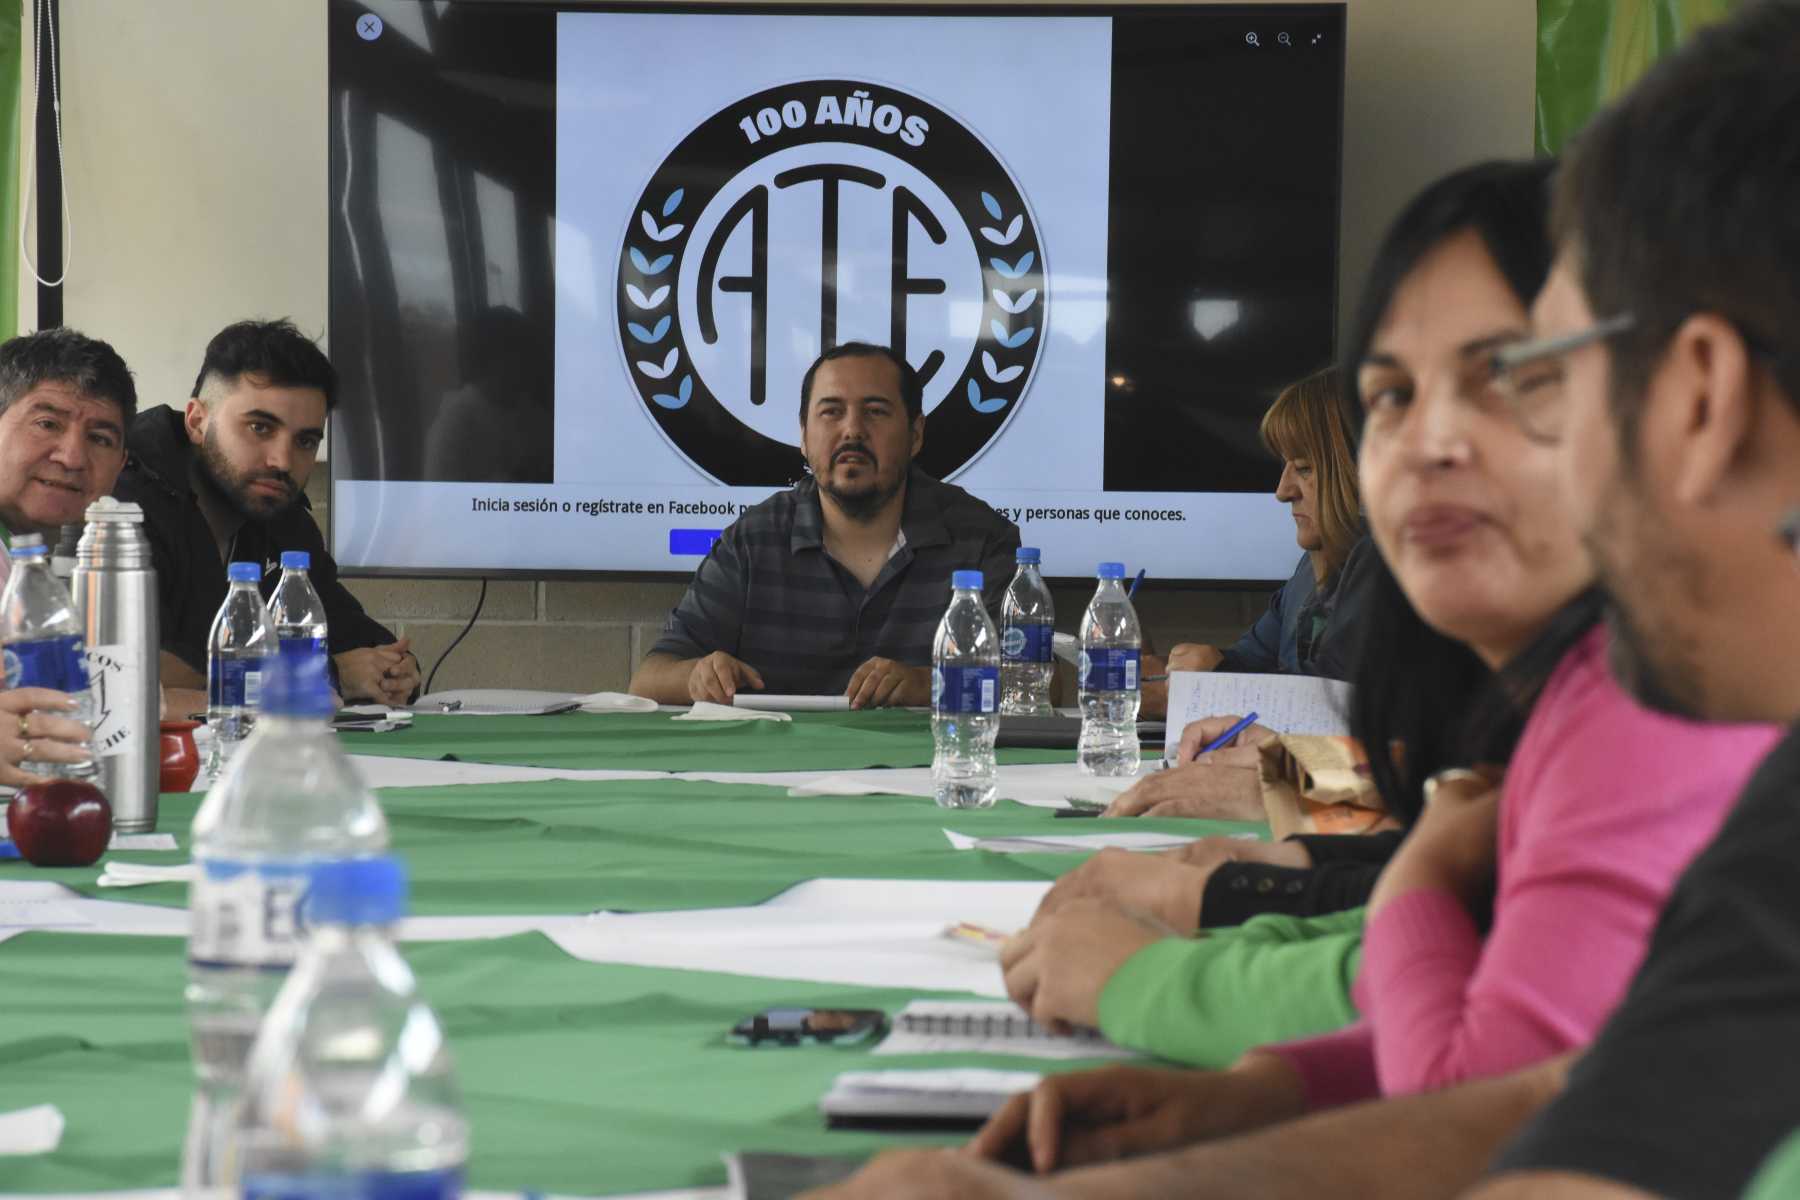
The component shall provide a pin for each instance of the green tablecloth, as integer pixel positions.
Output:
(576, 1077)
(570, 847)
(844, 741)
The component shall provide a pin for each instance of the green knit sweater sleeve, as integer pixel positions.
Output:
(1780, 1175)
(1204, 1001)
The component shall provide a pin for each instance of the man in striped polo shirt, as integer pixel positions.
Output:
(835, 585)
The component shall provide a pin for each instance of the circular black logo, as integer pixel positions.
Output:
(817, 213)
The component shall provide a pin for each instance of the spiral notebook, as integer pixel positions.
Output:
(988, 1027)
(960, 1098)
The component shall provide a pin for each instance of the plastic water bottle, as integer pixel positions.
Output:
(1110, 643)
(289, 802)
(350, 1044)
(1027, 630)
(296, 610)
(45, 645)
(965, 701)
(241, 639)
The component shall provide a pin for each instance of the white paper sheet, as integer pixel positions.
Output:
(124, 841)
(371, 718)
(608, 702)
(495, 702)
(706, 710)
(380, 771)
(142, 841)
(767, 701)
(1284, 703)
(35, 904)
(35, 1130)
(1078, 843)
(1038, 785)
(868, 932)
(41, 914)
(129, 874)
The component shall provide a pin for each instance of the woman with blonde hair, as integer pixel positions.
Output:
(1303, 632)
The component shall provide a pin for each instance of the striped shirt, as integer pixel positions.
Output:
(770, 596)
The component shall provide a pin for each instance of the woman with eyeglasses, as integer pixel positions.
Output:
(1507, 925)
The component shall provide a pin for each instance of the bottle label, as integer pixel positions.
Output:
(248, 914)
(118, 674)
(235, 683)
(1027, 643)
(295, 650)
(445, 1184)
(52, 662)
(965, 689)
(1109, 670)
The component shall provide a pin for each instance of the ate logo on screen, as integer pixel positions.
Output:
(813, 214)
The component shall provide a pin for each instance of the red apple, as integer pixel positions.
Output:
(60, 823)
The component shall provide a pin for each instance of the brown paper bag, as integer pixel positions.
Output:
(1319, 784)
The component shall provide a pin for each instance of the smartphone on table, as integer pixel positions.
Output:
(810, 1026)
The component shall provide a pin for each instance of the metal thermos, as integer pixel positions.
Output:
(114, 588)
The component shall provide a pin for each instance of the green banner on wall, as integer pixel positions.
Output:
(12, 60)
(1591, 50)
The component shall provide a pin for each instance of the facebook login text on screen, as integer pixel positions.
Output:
(574, 334)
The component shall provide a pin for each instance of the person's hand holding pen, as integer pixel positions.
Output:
(1228, 741)
(1214, 775)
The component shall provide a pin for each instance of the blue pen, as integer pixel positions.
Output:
(1220, 741)
(8, 850)
(1134, 583)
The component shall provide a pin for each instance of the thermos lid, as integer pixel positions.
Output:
(106, 508)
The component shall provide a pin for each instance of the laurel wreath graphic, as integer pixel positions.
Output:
(649, 302)
(1002, 234)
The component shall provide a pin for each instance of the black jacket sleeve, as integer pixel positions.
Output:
(1238, 891)
(1345, 868)
(1370, 848)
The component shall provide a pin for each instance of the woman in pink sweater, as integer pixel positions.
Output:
(1602, 806)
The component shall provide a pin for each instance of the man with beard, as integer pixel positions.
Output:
(837, 584)
(221, 482)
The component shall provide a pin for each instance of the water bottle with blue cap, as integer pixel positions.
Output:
(349, 1043)
(965, 700)
(296, 610)
(45, 645)
(1108, 670)
(290, 803)
(240, 640)
(1027, 633)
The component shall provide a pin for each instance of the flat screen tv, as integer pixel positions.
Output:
(580, 257)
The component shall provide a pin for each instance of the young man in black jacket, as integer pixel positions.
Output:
(222, 481)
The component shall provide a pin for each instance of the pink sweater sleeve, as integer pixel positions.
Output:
(1603, 808)
(1334, 1068)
